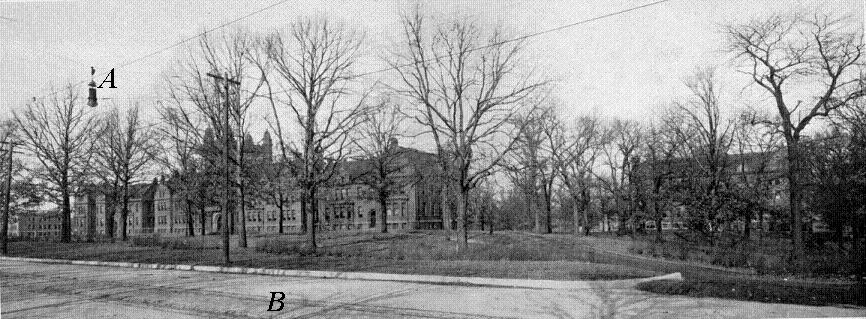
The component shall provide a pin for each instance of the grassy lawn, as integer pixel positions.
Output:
(502, 255)
(429, 253)
(751, 289)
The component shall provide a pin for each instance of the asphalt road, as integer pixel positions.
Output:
(69, 291)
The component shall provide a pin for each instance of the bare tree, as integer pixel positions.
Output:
(468, 86)
(579, 147)
(758, 151)
(182, 157)
(314, 61)
(659, 150)
(781, 53)
(620, 156)
(705, 136)
(531, 164)
(124, 149)
(378, 145)
(198, 100)
(18, 191)
(58, 133)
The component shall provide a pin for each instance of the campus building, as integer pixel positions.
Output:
(346, 203)
(760, 177)
(41, 224)
(92, 204)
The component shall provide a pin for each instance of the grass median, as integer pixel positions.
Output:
(516, 255)
(425, 253)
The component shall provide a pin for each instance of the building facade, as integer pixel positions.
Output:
(39, 224)
(758, 178)
(347, 203)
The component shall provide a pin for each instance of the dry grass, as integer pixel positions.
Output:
(429, 253)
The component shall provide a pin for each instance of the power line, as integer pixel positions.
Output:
(136, 60)
(524, 37)
(520, 38)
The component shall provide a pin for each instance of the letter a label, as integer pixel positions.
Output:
(110, 79)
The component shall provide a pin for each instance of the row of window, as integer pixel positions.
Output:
(43, 226)
(256, 216)
(343, 211)
(178, 219)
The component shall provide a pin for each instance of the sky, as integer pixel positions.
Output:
(624, 66)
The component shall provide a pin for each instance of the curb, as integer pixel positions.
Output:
(429, 279)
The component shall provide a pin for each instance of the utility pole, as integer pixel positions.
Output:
(8, 195)
(226, 161)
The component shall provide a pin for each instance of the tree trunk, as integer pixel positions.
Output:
(66, 218)
(463, 234)
(794, 199)
(203, 218)
(548, 211)
(190, 228)
(576, 212)
(91, 222)
(659, 217)
(490, 217)
(311, 219)
(476, 214)
(533, 209)
(241, 192)
(124, 212)
(304, 212)
(761, 226)
(584, 207)
(280, 200)
(111, 204)
(232, 218)
(383, 211)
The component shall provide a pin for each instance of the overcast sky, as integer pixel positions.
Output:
(623, 66)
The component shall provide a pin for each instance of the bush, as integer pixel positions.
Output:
(639, 247)
(146, 241)
(173, 242)
(280, 246)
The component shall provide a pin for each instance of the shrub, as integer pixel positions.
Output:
(280, 246)
(173, 243)
(639, 247)
(146, 241)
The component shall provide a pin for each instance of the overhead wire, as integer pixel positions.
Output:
(176, 44)
(520, 38)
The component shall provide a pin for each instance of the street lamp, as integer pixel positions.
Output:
(91, 96)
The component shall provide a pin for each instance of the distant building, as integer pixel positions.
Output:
(758, 176)
(88, 218)
(348, 203)
(91, 206)
(344, 204)
(39, 224)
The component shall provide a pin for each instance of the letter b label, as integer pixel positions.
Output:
(274, 299)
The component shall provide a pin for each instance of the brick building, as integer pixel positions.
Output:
(41, 224)
(759, 177)
(344, 204)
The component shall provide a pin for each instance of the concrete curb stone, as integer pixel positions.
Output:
(433, 279)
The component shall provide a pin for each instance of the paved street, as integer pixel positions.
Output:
(69, 291)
